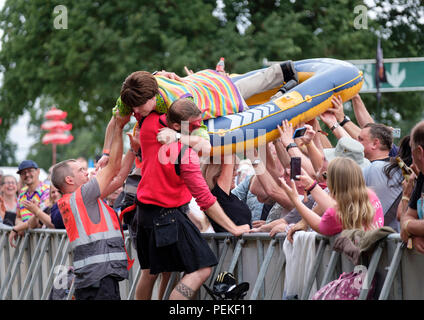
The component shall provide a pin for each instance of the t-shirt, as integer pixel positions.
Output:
(330, 223)
(41, 194)
(387, 190)
(235, 209)
(56, 217)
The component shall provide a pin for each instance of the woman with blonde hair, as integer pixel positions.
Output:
(349, 205)
(8, 200)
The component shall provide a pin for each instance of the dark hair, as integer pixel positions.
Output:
(182, 110)
(381, 132)
(138, 88)
(404, 153)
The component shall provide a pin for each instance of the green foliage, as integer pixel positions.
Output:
(80, 69)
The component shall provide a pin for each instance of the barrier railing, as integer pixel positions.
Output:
(32, 269)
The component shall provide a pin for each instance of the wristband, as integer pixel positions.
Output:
(312, 186)
(323, 132)
(405, 198)
(106, 152)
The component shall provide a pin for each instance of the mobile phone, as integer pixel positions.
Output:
(396, 132)
(299, 132)
(295, 167)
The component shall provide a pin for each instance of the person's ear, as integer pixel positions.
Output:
(376, 143)
(69, 180)
(175, 126)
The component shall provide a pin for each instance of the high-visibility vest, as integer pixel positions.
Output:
(99, 248)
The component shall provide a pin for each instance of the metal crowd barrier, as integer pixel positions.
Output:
(30, 271)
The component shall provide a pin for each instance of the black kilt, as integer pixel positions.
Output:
(187, 252)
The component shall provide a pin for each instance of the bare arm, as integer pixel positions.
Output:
(286, 134)
(216, 213)
(310, 217)
(282, 154)
(198, 143)
(127, 163)
(322, 198)
(330, 120)
(105, 176)
(338, 111)
(361, 113)
(271, 187)
(226, 176)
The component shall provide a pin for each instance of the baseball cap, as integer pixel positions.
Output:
(348, 148)
(26, 164)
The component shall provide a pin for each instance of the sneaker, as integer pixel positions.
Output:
(289, 72)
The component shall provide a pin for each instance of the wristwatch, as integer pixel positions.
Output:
(291, 145)
(345, 119)
(335, 126)
(178, 136)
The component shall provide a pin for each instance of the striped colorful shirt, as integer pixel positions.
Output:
(41, 194)
(214, 94)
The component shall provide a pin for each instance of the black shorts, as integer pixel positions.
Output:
(105, 289)
(187, 251)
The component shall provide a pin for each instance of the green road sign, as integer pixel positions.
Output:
(402, 74)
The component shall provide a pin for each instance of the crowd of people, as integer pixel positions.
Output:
(166, 192)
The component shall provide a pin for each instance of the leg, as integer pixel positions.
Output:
(163, 284)
(145, 285)
(189, 284)
(260, 81)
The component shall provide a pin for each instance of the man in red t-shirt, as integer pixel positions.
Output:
(166, 239)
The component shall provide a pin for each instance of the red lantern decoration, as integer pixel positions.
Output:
(58, 130)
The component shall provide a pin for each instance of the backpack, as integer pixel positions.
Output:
(346, 287)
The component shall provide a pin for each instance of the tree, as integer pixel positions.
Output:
(80, 69)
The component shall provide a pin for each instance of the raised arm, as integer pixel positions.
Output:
(105, 176)
(226, 176)
(127, 164)
(345, 122)
(271, 187)
(361, 113)
(330, 120)
(286, 134)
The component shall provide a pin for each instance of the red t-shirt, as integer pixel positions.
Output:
(159, 184)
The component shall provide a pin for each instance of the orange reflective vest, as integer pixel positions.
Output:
(99, 248)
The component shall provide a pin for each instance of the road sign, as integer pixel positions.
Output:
(403, 74)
